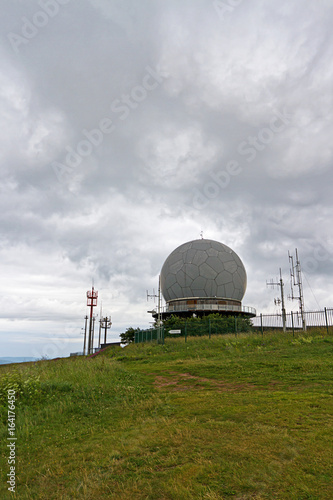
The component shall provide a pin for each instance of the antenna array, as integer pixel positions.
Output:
(296, 281)
(280, 301)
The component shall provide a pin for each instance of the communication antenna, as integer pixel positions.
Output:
(106, 325)
(201, 234)
(152, 295)
(280, 301)
(159, 298)
(296, 280)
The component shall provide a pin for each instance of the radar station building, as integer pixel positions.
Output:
(203, 277)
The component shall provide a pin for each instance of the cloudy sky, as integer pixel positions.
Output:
(128, 127)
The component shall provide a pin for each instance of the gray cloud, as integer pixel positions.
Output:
(167, 119)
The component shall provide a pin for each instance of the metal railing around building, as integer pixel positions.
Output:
(207, 307)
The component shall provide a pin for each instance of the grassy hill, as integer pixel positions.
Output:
(244, 417)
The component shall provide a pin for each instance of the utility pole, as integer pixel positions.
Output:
(280, 301)
(91, 302)
(296, 280)
(85, 335)
(92, 336)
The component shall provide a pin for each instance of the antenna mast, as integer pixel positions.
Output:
(280, 301)
(159, 308)
(106, 325)
(85, 334)
(296, 280)
(100, 327)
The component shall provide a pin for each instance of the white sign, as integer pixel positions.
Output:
(175, 331)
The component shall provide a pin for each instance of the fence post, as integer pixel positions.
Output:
(326, 319)
(185, 330)
(209, 327)
(292, 323)
(235, 325)
(262, 328)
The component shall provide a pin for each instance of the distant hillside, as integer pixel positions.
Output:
(9, 360)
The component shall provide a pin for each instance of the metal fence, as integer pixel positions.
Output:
(149, 335)
(189, 328)
(294, 320)
(263, 322)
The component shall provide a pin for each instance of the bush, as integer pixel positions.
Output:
(129, 335)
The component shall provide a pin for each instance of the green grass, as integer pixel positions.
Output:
(246, 417)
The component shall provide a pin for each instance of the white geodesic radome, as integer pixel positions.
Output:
(203, 268)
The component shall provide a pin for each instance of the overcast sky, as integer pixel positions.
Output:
(128, 127)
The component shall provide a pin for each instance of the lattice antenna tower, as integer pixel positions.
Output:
(279, 301)
(296, 281)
